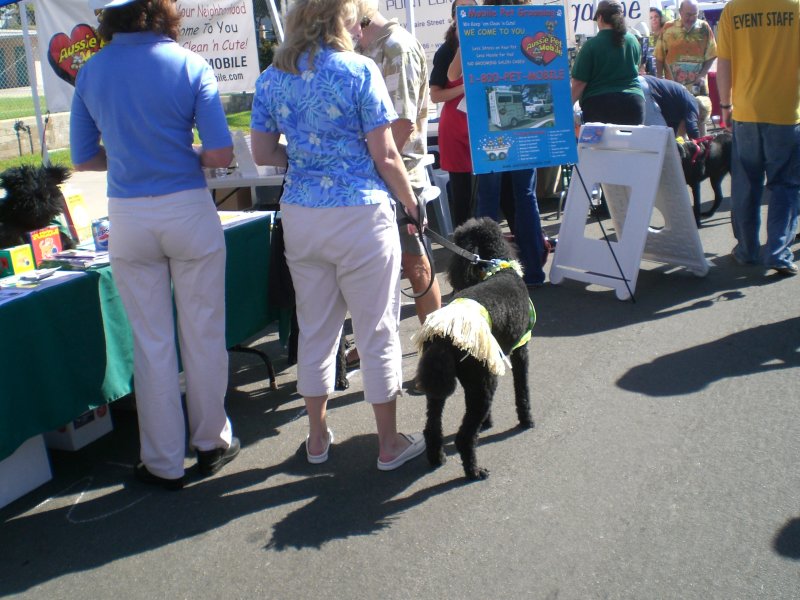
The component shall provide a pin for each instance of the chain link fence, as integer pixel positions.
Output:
(18, 132)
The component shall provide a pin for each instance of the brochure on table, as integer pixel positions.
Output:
(19, 286)
(516, 77)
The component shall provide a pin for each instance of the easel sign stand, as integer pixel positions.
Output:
(638, 169)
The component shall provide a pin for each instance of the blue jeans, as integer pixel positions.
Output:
(527, 226)
(759, 150)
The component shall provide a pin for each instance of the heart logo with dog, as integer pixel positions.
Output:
(542, 48)
(68, 53)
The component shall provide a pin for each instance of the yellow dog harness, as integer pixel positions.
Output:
(468, 324)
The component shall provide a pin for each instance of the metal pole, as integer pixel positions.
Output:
(19, 139)
(410, 16)
(23, 8)
(277, 24)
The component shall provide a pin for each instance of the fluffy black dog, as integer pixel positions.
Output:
(32, 201)
(708, 157)
(453, 339)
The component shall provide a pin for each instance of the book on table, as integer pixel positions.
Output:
(45, 243)
(16, 259)
(76, 214)
(79, 259)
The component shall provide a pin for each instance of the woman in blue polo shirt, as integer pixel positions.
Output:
(141, 95)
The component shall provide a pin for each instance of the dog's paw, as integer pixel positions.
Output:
(487, 423)
(436, 458)
(341, 384)
(476, 473)
(526, 423)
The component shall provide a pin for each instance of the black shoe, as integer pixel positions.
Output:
(142, 474)
(211, 461)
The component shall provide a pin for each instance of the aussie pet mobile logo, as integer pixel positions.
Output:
(543, 47)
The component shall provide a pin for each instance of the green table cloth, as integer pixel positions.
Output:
(68, 348)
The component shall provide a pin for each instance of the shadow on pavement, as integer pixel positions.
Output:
(764, 348)
(87, 528)
(787, 540)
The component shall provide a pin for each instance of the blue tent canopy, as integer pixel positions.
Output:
(4, 2)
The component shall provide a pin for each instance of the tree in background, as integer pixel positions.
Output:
(10, 17)
(267, 41)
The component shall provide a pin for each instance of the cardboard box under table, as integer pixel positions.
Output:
(76, 434)
(67, 349)
(25, 470)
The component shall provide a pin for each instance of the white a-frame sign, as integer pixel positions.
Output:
(638, 169)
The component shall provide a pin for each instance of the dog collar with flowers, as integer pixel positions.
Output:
(496, 265)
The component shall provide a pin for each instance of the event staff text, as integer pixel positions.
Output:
(774, 19)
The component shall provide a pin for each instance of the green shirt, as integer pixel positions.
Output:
(607, 68)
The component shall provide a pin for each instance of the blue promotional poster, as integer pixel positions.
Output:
(516, 80)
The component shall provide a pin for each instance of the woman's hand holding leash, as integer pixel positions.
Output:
(417, 218)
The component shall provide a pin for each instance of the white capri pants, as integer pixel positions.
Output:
(346, 259)
(159, 244)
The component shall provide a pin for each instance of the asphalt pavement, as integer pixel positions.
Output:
(663, 464)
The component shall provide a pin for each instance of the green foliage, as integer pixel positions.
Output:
(239, 121)
(16, 107)
(236, 122)
(60, 157)
(266, 50)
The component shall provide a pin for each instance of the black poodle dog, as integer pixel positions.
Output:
(31, 200)
(708, 157)
(489, 319)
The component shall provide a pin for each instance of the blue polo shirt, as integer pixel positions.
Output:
(142, 94)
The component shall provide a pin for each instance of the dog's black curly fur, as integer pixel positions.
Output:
(713, 161)
(505, 297)
(33, 199)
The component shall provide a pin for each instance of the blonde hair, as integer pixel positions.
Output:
(367, 8)
(311, 24)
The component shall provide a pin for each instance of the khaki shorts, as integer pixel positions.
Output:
(409, 244)
(703, 108)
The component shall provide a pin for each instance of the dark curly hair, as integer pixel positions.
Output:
(613, 15)
(158, 16)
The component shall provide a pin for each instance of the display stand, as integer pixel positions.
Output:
(638, 169)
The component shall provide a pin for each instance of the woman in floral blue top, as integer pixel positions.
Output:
(342, 247)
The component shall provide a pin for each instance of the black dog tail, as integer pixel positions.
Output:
(436, 372)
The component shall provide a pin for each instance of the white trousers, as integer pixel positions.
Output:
(346, 259)
(160, 245)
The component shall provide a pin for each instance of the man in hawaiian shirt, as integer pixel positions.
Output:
(401, 60)
(685, 52)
